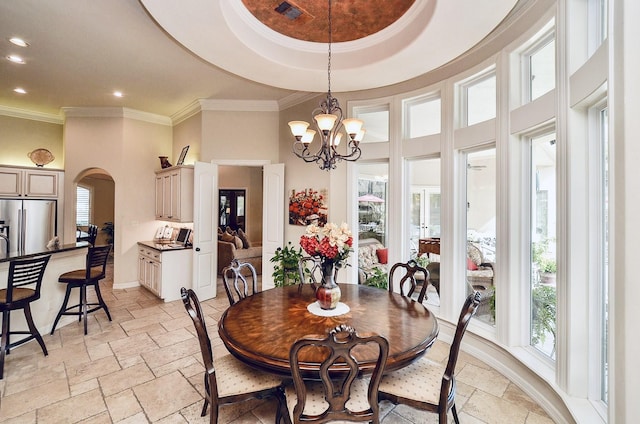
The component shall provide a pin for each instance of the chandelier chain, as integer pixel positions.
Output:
(329, 61)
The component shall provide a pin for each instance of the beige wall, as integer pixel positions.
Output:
(299, 174)
(20, 136)
(239, 135)
(128, 150)
(187, 133)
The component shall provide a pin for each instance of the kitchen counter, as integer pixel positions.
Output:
(45, 251)
(162, 247)
(44, 310)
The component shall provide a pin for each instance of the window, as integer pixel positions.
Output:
(372, 201)
(604, 235)
(598, 26)
(479, 99)
(376, 123)
(543, 244)
(83, 206)
(424, 213)
(541, 68)
(481, 230)
(423, 117)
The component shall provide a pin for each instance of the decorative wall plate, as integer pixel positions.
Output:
(41, 157)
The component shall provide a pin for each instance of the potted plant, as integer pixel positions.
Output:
(108, 228)
(378, 279)
(285, 268)
(547, 269)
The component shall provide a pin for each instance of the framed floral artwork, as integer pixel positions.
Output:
(308, 206)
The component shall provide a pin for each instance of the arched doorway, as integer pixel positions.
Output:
(95, 203)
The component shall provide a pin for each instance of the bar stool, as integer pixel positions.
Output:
(82, 278)
(23, 287)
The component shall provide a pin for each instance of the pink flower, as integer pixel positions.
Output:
(328, 242)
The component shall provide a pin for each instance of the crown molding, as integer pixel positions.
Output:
(34, 116)
(201, 105)
(239, 105)
(295, 99)
(115, 112)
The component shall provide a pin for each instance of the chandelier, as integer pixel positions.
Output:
(329, 122)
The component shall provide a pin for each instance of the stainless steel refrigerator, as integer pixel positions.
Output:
(26, 226)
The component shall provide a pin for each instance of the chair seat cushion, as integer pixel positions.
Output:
(234, 377)
(316, 403)
(79, 275)
(419, 381)
(18, 294)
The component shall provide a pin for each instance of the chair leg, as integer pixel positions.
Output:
(206, 397)
(4, 342)
(83, 306)
(101, 300)
(32, 328)
(62, 308)
(455, 414)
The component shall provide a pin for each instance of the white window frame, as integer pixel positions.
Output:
(463, 97)
(596, 270)
(541, 41)
(406, 107)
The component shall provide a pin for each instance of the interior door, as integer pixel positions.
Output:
(272, 218)
(205, 235)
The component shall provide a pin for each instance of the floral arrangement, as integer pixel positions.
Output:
(330, 242)
(307, 207)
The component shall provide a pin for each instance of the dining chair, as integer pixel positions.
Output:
(89, 276)
(429, 385)
(237, 284)
(343, 395)
(23, 287)
(226, 379)
(409, 273)
(310, 272)
(93, 234)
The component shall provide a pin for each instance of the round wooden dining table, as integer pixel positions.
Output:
(260, 329)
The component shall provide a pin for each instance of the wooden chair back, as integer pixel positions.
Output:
(92, 232)
(310, 272)
(24, 282)
(236, 284)
(192, 305)
(339, 345)
(447, 388)
(97, 262)
(408, 282)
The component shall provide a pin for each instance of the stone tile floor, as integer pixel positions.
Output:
(145, 366)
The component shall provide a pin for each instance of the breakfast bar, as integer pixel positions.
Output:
(65, 258)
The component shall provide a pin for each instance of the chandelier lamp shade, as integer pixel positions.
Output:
(330, 124)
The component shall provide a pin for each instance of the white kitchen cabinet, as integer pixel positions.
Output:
(33, 183)
(163, 272)
(174, 194)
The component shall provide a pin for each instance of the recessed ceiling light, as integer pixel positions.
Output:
(15, 59)
(20, 90)
(118, 93)
(19, 42)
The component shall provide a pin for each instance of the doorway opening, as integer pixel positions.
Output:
(95, 204)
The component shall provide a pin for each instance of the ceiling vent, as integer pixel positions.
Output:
(290, 11)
